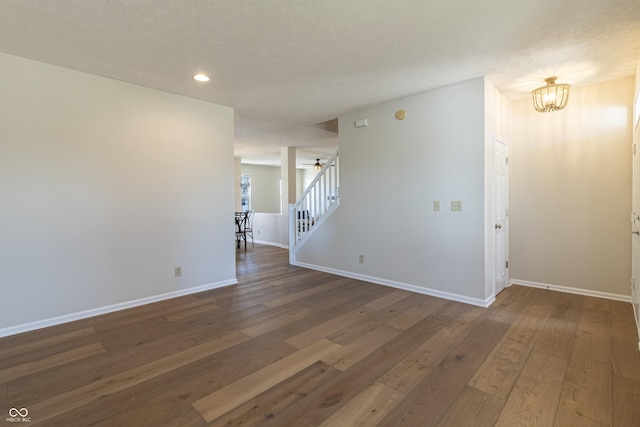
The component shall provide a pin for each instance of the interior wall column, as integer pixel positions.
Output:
(288, 176)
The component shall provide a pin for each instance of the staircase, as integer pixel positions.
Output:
(317, 202)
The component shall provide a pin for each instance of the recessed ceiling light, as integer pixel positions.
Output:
(201, 78)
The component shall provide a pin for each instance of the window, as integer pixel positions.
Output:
(245, 186)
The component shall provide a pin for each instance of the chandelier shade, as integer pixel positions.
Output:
(552, 97)
(318, 165)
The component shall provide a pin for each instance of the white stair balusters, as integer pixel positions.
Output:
(317, 201)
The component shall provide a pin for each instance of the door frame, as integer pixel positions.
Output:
(505, 223)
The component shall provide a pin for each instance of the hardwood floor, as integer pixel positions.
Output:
(295, 347)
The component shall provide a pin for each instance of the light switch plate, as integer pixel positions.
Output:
(436, 205)
(456, 206)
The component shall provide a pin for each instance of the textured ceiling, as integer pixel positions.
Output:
(284, 65)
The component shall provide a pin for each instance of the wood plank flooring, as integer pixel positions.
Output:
(295, 347)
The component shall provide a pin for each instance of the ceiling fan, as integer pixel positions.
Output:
(317, 165)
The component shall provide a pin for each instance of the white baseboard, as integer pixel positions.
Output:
(26, 327)
(399, 285)
(570, 290)
(278, 245)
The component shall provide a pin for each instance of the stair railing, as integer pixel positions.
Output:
(318, 200)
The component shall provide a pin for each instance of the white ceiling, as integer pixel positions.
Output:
(284, 65)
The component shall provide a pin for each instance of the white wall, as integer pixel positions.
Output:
(268, 222)
(105, 188)
(390, 174)
(306, 176)
(571, 191)
(265, 188)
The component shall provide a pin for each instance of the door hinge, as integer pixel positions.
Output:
(506, 160)
(634, 148)
(506, 264)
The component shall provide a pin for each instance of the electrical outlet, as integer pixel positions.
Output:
(436, 205)
(177, 272)
(361, 259)
(456, 206)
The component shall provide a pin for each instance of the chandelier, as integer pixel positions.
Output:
(552, 97)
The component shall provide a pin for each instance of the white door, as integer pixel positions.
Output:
(635, 227)
(500, 213)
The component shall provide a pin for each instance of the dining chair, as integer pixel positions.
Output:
(241, 224)
(248, 227)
